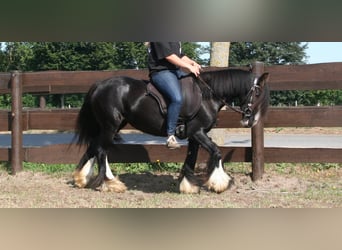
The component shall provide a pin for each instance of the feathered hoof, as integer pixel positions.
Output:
(219, 181)
(186, 187)
(81, 177)
(80, 180)
(114, 185)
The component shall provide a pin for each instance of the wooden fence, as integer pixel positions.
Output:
(302, 77)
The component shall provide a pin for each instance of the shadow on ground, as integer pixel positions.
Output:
(151, 183)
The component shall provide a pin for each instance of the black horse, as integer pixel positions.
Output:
(111, 104)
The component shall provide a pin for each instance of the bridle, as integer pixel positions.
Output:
(248, 110)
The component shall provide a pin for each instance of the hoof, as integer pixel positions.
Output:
(82, 176)
(113, 185)
(80, 180)
(219, 181)
(186, 187)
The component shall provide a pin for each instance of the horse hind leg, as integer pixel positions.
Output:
(105, 180)
(111, 183)
(83, 176)
(97, 151)
(84, 170)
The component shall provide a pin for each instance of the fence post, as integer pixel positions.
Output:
(16, 124)
(42, 102)
(258, 136)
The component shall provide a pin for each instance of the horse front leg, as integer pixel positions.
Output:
(217, 179)
(189, 183)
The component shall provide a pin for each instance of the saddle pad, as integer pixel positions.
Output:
(192, 97)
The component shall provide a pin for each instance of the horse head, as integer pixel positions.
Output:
(256, 102)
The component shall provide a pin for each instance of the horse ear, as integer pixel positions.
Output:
(263, 79)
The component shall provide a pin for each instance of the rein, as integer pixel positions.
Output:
(248, 110)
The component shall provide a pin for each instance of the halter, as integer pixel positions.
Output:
(248, 110)
(250, 95)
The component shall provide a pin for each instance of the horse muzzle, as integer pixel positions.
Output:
(249, 121)
(246, 123)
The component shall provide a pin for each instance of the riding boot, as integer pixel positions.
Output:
(172, 143)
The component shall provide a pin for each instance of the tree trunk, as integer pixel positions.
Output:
(219, 57)
(219, 54)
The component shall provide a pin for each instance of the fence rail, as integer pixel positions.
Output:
(301, 77)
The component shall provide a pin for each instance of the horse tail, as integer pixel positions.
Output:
(87, 127)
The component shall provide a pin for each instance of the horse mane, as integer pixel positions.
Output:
(207, 92)
(231, 83)
(225, 82)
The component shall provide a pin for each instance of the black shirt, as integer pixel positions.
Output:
(157, 53)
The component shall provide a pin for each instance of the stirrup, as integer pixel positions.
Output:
(181, 131)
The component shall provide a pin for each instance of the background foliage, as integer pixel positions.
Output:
(40, 56)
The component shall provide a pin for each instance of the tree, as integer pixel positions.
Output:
(271, 53)
(15, 56)
(195, 51)
(130, 55)
(2, 59)
(73, 56)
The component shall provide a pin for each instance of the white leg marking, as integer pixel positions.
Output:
(187, 188)
(81, 178)
(112, 183)
(219, 180)
(109, 173)
(87, 170)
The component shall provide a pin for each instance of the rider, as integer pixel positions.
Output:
(167, 65)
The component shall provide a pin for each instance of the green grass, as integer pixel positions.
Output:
(48, 168)
(135, 168)
(238, 167)
(118, 168)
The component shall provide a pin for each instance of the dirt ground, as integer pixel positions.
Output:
(281, 187)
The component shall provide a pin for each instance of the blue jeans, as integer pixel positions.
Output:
(167, 82)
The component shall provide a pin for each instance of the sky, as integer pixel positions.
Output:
(320, 52)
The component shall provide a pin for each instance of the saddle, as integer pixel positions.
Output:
(192, 97)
